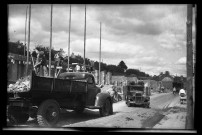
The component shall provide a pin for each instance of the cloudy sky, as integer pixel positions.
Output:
(151, 38)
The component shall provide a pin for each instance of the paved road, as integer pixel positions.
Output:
(123, 117)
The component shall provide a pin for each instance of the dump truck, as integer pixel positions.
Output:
(47, 96)
(135, 96)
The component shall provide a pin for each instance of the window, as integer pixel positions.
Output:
(90, 80)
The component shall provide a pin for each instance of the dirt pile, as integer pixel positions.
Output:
(22, 85)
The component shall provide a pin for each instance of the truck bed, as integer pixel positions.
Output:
(39, 83)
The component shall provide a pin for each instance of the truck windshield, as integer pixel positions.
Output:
(134, 88)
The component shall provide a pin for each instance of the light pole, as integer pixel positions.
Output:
(100, 58)
(28, 39)
(84, 63)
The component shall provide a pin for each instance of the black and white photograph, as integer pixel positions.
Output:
(127, 67)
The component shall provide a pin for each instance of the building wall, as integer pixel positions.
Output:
(16, 70)
(108, 78)
(167, 85)
(103, 77)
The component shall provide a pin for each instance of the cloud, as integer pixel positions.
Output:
(120, 26)
(181, 61)
(143, 36)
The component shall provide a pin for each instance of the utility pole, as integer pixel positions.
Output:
(194, 61)
(69, 36)
(84, 63)
(50, 39)
(25, 30)
(100, 58)
(189, 118)
(28, 40)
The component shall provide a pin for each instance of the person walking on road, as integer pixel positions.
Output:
(182, 95)
(174, 90)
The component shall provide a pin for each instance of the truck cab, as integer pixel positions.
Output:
(136, 96)
(92, 89)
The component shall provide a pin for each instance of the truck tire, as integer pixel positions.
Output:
(128, 104)
(48, 113)
(146, 105)
(111, 110)
(106, 110)
(15, 115)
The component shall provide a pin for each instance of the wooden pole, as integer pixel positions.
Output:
(50, 40)
(25, 30)
(100, 58)
(189, 64)
(194, 52)
(84, 63)
(28, 39)
(69, 36)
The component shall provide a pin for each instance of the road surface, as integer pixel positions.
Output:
(123, 116)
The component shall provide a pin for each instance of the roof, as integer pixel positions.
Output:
(17, 57)
(167, 79)
(23, 58)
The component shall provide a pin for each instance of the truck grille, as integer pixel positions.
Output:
(138, 94)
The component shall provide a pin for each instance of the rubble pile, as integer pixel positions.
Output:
(22, 85)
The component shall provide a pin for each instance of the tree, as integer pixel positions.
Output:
(122, 65)
(46, 51)
(167, 73)
(132, 71)
(103, 66)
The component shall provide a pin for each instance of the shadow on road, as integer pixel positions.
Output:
(67, 117)
(71, 117)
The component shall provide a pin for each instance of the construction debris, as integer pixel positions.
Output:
(22, 85)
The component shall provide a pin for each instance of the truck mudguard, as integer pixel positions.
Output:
(101, 98)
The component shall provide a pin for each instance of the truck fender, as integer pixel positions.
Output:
(101, 98)
(147, 99)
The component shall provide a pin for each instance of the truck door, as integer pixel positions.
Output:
(92, 91)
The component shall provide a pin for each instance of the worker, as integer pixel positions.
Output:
(58, 61)
(78, 68)
(40, 61)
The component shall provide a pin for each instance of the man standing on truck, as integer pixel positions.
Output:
(58, 61)
(40, 61)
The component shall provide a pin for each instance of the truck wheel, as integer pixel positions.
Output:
(15, 116)
(106, 108)
(111, 110)
(146, 105)
(33, 112)
(48, 113)
(128, 104)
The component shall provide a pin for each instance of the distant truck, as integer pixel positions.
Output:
(135, 95)
(46, 96)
